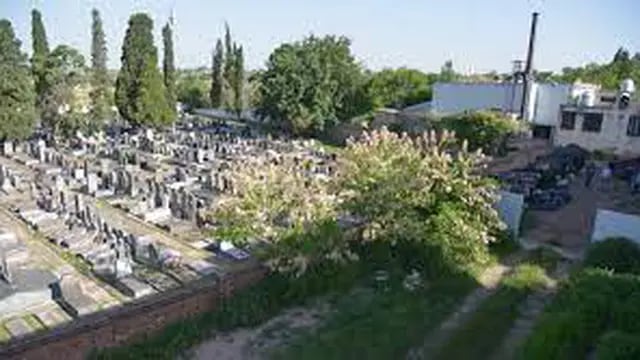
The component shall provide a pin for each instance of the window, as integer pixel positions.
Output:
(592, 122)
(568, 120)
(633, 129)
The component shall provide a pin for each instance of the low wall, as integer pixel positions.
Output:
(132, 321)
(614, 224)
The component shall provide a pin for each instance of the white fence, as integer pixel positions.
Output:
(614, 224)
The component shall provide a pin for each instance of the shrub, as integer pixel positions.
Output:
(618, 254)
(616, 345)
(527, 277)
(488, 131)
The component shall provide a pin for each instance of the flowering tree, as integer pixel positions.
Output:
(281, 202)
(424, 191)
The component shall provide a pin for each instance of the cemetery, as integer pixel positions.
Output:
(132, 207)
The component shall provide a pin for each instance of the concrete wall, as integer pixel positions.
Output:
(458, 97)
(510, 208)
(612, 136)
(614, 224)
(548, 100)
(129, 322)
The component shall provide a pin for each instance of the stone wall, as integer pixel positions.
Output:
(129, 322)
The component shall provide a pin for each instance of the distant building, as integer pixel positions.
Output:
(601, 121)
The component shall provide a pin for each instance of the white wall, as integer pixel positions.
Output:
(614, 224)
(548, 100)
(612, 135)
(458, 97)
(510, 208)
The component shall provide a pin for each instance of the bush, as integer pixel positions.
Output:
(618, 254)
(593, 302)
(616, 345)
(482, 130)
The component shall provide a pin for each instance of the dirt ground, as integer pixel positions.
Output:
(256, 343)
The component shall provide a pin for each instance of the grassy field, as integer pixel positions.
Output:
(379, 324)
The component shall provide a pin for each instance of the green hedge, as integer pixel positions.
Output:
(618, 254)
(593, 302)
(616, 345)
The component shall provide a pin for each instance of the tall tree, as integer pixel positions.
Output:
(168, 67)
(310, 84)
(17, 97)
(228, 69)
(238, 80)
(39, 54)
(99, 74)
(140, 94)
(217, 78)
(62, 107)
(447, 73)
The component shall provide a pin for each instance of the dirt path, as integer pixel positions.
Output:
(255, 343)
(489, 281)
(529, 312)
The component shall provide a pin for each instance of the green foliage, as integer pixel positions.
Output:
(17, 112)
(39, 55)
(608, 75)
(169, 68)
(482, 130)
(61, 108)
(192, 89)
(311, 84)
(227, 94)
(447, 73)
(294, 212)
(593, 302)
(414, 191)
(618, 254)
(140, 94)
(380, 324)
(100, 83)
(399, 88)
(616, 345)
(238, 80)
(217, 78)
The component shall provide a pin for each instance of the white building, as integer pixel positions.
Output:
(600, 121)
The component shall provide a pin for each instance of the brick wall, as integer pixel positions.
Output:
(129, 322)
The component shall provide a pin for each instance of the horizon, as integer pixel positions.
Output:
(492, 35)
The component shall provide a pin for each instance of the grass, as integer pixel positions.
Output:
(379, 324)
(485, 330)
(34, 322)
(4, 333)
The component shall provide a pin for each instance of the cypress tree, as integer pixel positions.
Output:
(99, 75)
(168, 68)
(17, 112)
(140, 94)
(238, 80)
(229, 62)
(217, 79)
(39, 55)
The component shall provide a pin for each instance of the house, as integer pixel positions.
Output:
(602, 121)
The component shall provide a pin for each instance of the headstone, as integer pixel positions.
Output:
(92, 183)
(7, 148)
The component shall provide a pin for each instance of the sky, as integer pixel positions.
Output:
(477, 35)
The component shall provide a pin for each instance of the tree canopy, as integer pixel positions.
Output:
(609, 75)
(17, 100)
(140, 93)
(100, 83)
(62, 108)
(398, 88)
(310, 84)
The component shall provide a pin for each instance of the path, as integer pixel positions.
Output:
(489, 281)
(529, 312)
